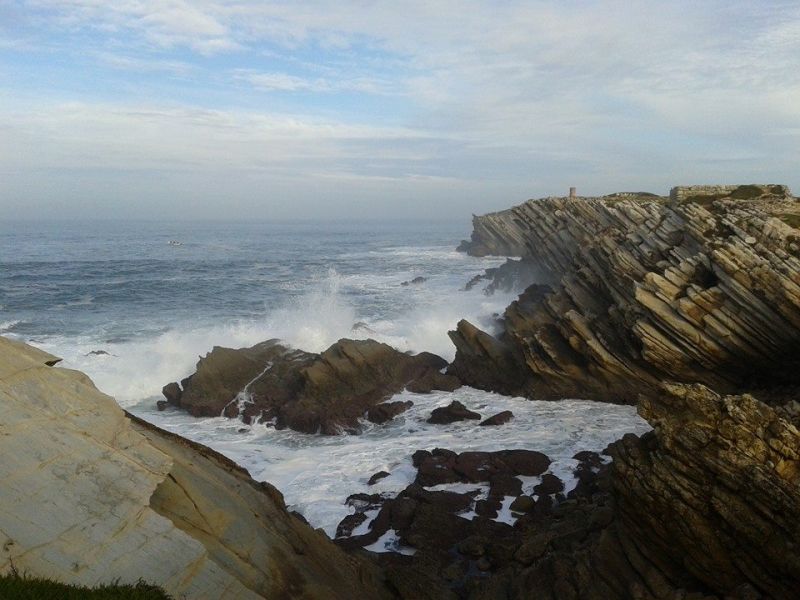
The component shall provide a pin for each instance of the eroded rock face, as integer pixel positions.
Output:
(706, 506)
(308, 392)
(87, 498)
(703, 289)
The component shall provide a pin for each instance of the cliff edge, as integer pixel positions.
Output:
(703, 287)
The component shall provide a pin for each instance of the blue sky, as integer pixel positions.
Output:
(256, 109)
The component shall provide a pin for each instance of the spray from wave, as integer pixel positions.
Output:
(131, 370)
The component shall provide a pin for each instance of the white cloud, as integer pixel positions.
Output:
(524, 93)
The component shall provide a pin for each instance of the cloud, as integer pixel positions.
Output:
(519, 95)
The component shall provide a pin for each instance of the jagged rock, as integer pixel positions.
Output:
(455, 411)
(415, 281)
(500, 418)
(376, 477)
(386, 411)
(550, 485)
(172, 392)
(434, 380)
(90, 496)
(307, 392)
(637, 290)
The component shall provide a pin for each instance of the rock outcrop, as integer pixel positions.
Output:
(703, 288)
(307, 392)
(87, 497)
(706, 506)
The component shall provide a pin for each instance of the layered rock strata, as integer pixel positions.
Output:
(707, 506)
(308, 392)
(88, 498)
(704, 288)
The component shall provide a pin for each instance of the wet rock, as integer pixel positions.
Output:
(376, 477)
(455, 411)
(313, 393)
(523, 504)
(500, 418)
(162, 404)
(363, 502)
(98, 353)
(349, 523)
(172, 392)
(550, 485)
(415, 281)
(386, 411)
(434, 380)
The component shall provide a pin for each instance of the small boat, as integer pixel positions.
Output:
(175, 243)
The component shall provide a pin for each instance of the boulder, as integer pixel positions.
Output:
(376, 477)
(314, 393)
(455, 411)
(434, 380)
(500, 418)
(386, 411)
(172, 392)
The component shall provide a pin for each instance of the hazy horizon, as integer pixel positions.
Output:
(250, 110)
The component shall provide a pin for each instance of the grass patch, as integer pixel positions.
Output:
(25, 587)
(792, 220)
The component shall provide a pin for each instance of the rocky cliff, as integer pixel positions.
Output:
(89, 496)
(703, 287)
(681, 305)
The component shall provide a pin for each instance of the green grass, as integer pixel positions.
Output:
(25, 587)
(792, 220)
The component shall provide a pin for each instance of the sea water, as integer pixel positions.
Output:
(134, 304)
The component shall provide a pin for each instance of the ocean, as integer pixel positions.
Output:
(134, 304)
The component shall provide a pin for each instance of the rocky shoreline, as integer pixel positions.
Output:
(687, 306)
(681, 305)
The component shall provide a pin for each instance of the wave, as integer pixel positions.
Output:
(132, 369)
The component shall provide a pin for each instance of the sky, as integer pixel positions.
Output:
(251, 109)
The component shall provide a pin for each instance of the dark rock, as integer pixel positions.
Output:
(476, 467)
(436, 469)
(550, 485)
(415, 281)
(504, 484)
(525, 462)
(386, 411)
(523, 504)
(162, 404)
(455, 411)
(419, 457)
(499, 419)
(349, 523)
(376, 477)
(172, 392)
(363, 502)
(434, 380)
(326, 393)
(98, 353)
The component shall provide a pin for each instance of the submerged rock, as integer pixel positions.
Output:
(326, 393)
(415, 281)
(500, 418)
(386, 411)
(455, 411)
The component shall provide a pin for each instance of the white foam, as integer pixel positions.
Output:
(140, 367)
(317, 473)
